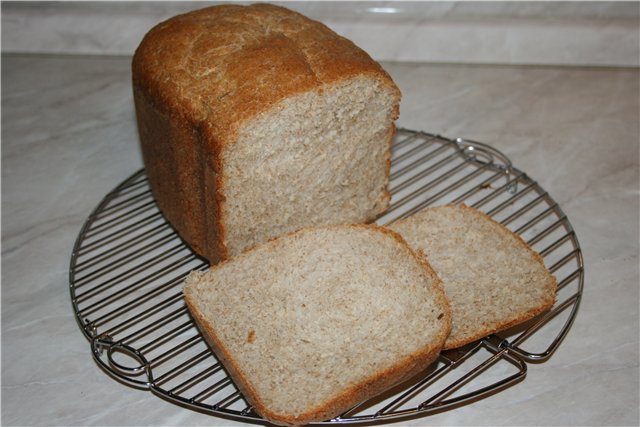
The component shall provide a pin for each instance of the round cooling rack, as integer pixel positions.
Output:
(128, 266)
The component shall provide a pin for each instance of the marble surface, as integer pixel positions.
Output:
(69, 136)
(574, 33)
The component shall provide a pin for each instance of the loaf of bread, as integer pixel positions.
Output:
(315, 321)
(255, 121)
(492, 278)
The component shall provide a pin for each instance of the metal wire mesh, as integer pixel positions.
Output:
(128, 265)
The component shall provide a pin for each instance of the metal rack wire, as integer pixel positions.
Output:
(128, 265)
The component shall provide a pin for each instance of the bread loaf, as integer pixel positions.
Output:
(315, 321)
(492, 278)
(255, 121)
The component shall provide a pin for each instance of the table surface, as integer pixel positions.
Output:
(69, 136)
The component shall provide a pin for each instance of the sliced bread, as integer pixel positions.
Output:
(315, 321)
(492, 278)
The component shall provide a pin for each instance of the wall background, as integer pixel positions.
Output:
(521, 32)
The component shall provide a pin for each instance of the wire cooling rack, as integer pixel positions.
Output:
(128, 266)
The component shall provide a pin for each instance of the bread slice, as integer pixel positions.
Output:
(315, 321)
(492, 278)
(255, 121)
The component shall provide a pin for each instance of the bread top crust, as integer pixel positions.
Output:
(222, 65)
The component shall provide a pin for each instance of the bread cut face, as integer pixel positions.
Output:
(317, 158)
(492, 278)
(255, 121)
(315, 321)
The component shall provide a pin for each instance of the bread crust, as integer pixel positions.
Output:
(201, 75)
(368, 387)
(173, 169)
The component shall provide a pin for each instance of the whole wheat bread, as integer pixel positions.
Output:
(255, 121)
(315, 321)
(492, 278)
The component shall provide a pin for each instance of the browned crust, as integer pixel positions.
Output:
(229, 63)
(173, 169)
(368, 387)
(209, 71)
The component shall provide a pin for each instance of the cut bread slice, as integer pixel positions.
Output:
(492, 278)
(315, 321)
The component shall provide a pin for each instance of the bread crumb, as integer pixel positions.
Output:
(251, 336)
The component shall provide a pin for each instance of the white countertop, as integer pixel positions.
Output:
(69, 136)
